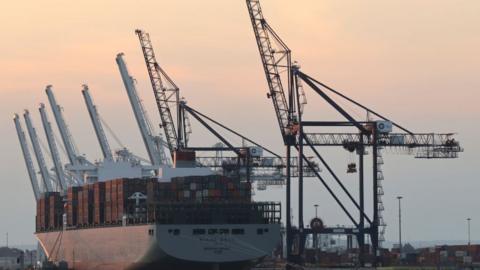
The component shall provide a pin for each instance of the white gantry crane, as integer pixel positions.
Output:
(63, 128)
(79, 166)
(125, 164)
(153, 143)
(58, 166)
(28, 158)
(97, 125)
(38, 153)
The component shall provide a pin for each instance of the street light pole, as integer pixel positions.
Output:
(468, 221)
(400, 224)
(315, 235)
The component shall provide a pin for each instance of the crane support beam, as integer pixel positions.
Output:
(153, 148)
(97, 125)
(28, 158)
(213, 131)
(58, 166)
(271, 57)
(332, 102)
(38, 152)
(63, 128)
(357, 103)
(233, 132)
(164, 89)
(401, 140)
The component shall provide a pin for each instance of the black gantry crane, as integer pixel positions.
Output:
(245, 165)
(279, 71)
(166, 93)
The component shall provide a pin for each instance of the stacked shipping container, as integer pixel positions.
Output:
(87, 206)
(56, 210)
(79, 207)
(109, 202)
(99, 203)
(49, 211)
(211, 188)
(126, 205)
(114, 202)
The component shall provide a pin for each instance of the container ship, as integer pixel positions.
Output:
(175, 209)
(193, 222)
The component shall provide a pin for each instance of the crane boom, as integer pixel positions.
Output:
(38, 152)
(153, 145)
(28, 158)
(94, 116)
(63, 128)
(163, 94)
(272, 55)
(53, 148)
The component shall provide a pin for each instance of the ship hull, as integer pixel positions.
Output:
(162, 247)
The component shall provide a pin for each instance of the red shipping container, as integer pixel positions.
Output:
(114, 212)
(80, 208)
(72, 205)
(37, 217)
(88, 204)
(121, 189)
(56, 210)
(41, 202)
(108, 201)
(44, 211)
(99, 202)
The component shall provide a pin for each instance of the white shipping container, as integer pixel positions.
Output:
(384, 126)
(186, 193)
(193, 186)
(256, 151)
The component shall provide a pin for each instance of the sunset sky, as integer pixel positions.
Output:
(417, 62)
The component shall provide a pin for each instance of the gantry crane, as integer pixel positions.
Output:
(275, 55)
(28, 157)
(97, 125)
(166, 92)
(44, 173)
(57, 163)
(153, 143)
(63, 128)
(125, 164)
(79, 165)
